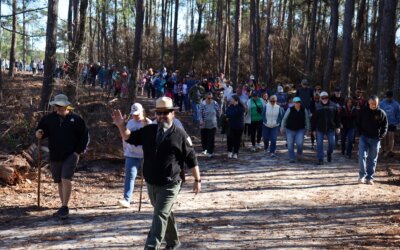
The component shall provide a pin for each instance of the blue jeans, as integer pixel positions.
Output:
(132, 165)
(269, 135)
(196, 110)
(186, 102)
(368, 149)
(320, 143)
(347, 139)
(293, 137)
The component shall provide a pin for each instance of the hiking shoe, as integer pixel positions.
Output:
(312, 147)
(204, 152)
(291, 161)
(167, 247)
(253, 149)
(234, 156)
(361, 180)
(62, 213)
(124, 203)
(320, 162)
(229, 154)
(259, 146)
(370, 182)
(329, 157)
(272, 155)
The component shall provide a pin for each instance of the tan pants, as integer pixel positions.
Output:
(388, 142)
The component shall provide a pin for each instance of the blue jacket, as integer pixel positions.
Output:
(235, 115)
(392, 110)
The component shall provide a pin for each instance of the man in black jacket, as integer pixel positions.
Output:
(166, 148)
(68, 138)
(325, 121)
(372, 124)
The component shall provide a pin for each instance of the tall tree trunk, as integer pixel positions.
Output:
(386, 47)
(69, 23)
(236, 46)
(13, 39)
(219, 35)
(137, 47)
(91, 34)
(254, 38)
(75, 52)
(226, 36)
(163, 24)
(104, 25)
(310, 63)
(289, 37)
(24, 32)
(376, 47)
(1, 61)
(50, 54)
(357, 44)
(200, 10)
(268, 63)
(347, 50)
(115, 31)
(176, 35)
(330, 59)
(396, 87)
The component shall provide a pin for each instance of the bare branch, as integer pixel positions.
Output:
(22, 12)
(22, 34)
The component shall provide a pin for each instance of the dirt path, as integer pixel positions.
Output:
(250, 203)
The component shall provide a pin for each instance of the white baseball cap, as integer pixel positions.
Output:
(323, 93)
(136, 109)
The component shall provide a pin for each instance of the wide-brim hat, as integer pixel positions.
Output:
(164, 103)
(60, 100)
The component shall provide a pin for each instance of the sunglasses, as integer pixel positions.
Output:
(324, 98)
(163, 112)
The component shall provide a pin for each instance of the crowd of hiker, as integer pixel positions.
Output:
(250, 114)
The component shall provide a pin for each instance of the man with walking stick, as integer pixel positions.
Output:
(68, 138)
(166, 148)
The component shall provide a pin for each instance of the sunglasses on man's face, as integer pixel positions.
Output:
(163, 112)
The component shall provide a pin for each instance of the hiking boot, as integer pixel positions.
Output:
(124, 203)
(291, 161)
(361, 180)
(253, 149)
(312, 147)
(329, 157)
(370, 182)
(62, 213)
(204, 152)
(234, 156)
(320, 162)
(259, 146)
(272, 155)
(229, 154)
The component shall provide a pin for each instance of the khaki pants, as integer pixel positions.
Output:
(163, 225)
(388, 142)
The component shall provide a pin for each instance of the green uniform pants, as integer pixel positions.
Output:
(163, 225)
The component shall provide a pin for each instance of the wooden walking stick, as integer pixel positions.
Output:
(141, 186)
(39, 173)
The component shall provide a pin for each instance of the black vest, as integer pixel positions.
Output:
(296, 119)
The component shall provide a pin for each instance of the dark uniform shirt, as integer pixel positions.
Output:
(66, 135)
(163, 163)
